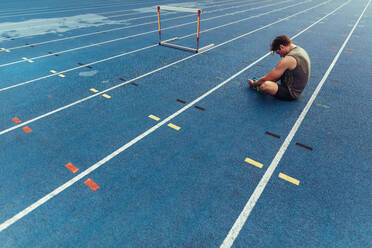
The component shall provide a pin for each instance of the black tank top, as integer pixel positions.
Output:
(295, 80)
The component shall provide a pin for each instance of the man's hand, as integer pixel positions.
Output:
(252, 83)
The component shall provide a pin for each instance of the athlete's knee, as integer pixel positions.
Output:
(265, 87)
(268, 87)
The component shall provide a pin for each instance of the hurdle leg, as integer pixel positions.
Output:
(159, 24)
(198, 30)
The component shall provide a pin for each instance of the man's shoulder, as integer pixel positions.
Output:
(289, 62)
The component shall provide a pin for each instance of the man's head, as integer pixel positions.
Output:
(281, 45)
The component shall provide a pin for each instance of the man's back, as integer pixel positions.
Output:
(297, 78)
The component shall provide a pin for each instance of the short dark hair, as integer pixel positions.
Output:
(280, 40)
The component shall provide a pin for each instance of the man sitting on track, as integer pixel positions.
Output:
(293, 71)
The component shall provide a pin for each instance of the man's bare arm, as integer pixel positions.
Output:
(274, 75)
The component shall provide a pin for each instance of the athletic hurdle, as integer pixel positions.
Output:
(166, 42)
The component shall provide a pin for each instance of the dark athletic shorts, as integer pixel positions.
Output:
(283, 93)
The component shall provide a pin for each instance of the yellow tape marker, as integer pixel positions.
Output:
(7, 50)
(28, 60)
(154, 117)
(52, 71)
(61, 75)
(174, 126)
(289, 179)
(252, 162)
(107, 96)
(323, 106)
(2, 49)
(94, 90)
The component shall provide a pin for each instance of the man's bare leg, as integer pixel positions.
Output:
(267, 87)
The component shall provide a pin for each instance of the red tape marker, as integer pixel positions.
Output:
(91, 184)
(27, 129)
(72, 167)
(16, 120)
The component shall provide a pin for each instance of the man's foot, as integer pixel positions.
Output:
(253, 87)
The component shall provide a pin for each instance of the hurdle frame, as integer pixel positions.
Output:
(166, 42)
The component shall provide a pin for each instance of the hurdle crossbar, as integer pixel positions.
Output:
(167, 44)
(181, 9)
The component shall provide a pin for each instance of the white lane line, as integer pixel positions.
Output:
(148, 47)
(240, 221)
(72, 7)
(171, 27)
(56, 11)
(149, 73)
(131, 19)
(131, 26)
(11, 26)
(69, 183)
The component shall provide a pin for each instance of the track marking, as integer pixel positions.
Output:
(154, 117)
(272, 134)
(240, 221)
(28, 60)
(93, 90)
(137, 25)
(304, 146)
(154, 71)
(53, 71)
(58, 11)
(72, 167)
(289, 179)
(175, 127)
(200, 108)
(171, 27)
(16, 120)
(27, 129)
(61, 75)
(91, 184)
(106, 96)
(323, 106)
(253, 162)
(333, 80)
(69, 183)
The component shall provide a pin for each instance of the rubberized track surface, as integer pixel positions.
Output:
(109, 140)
